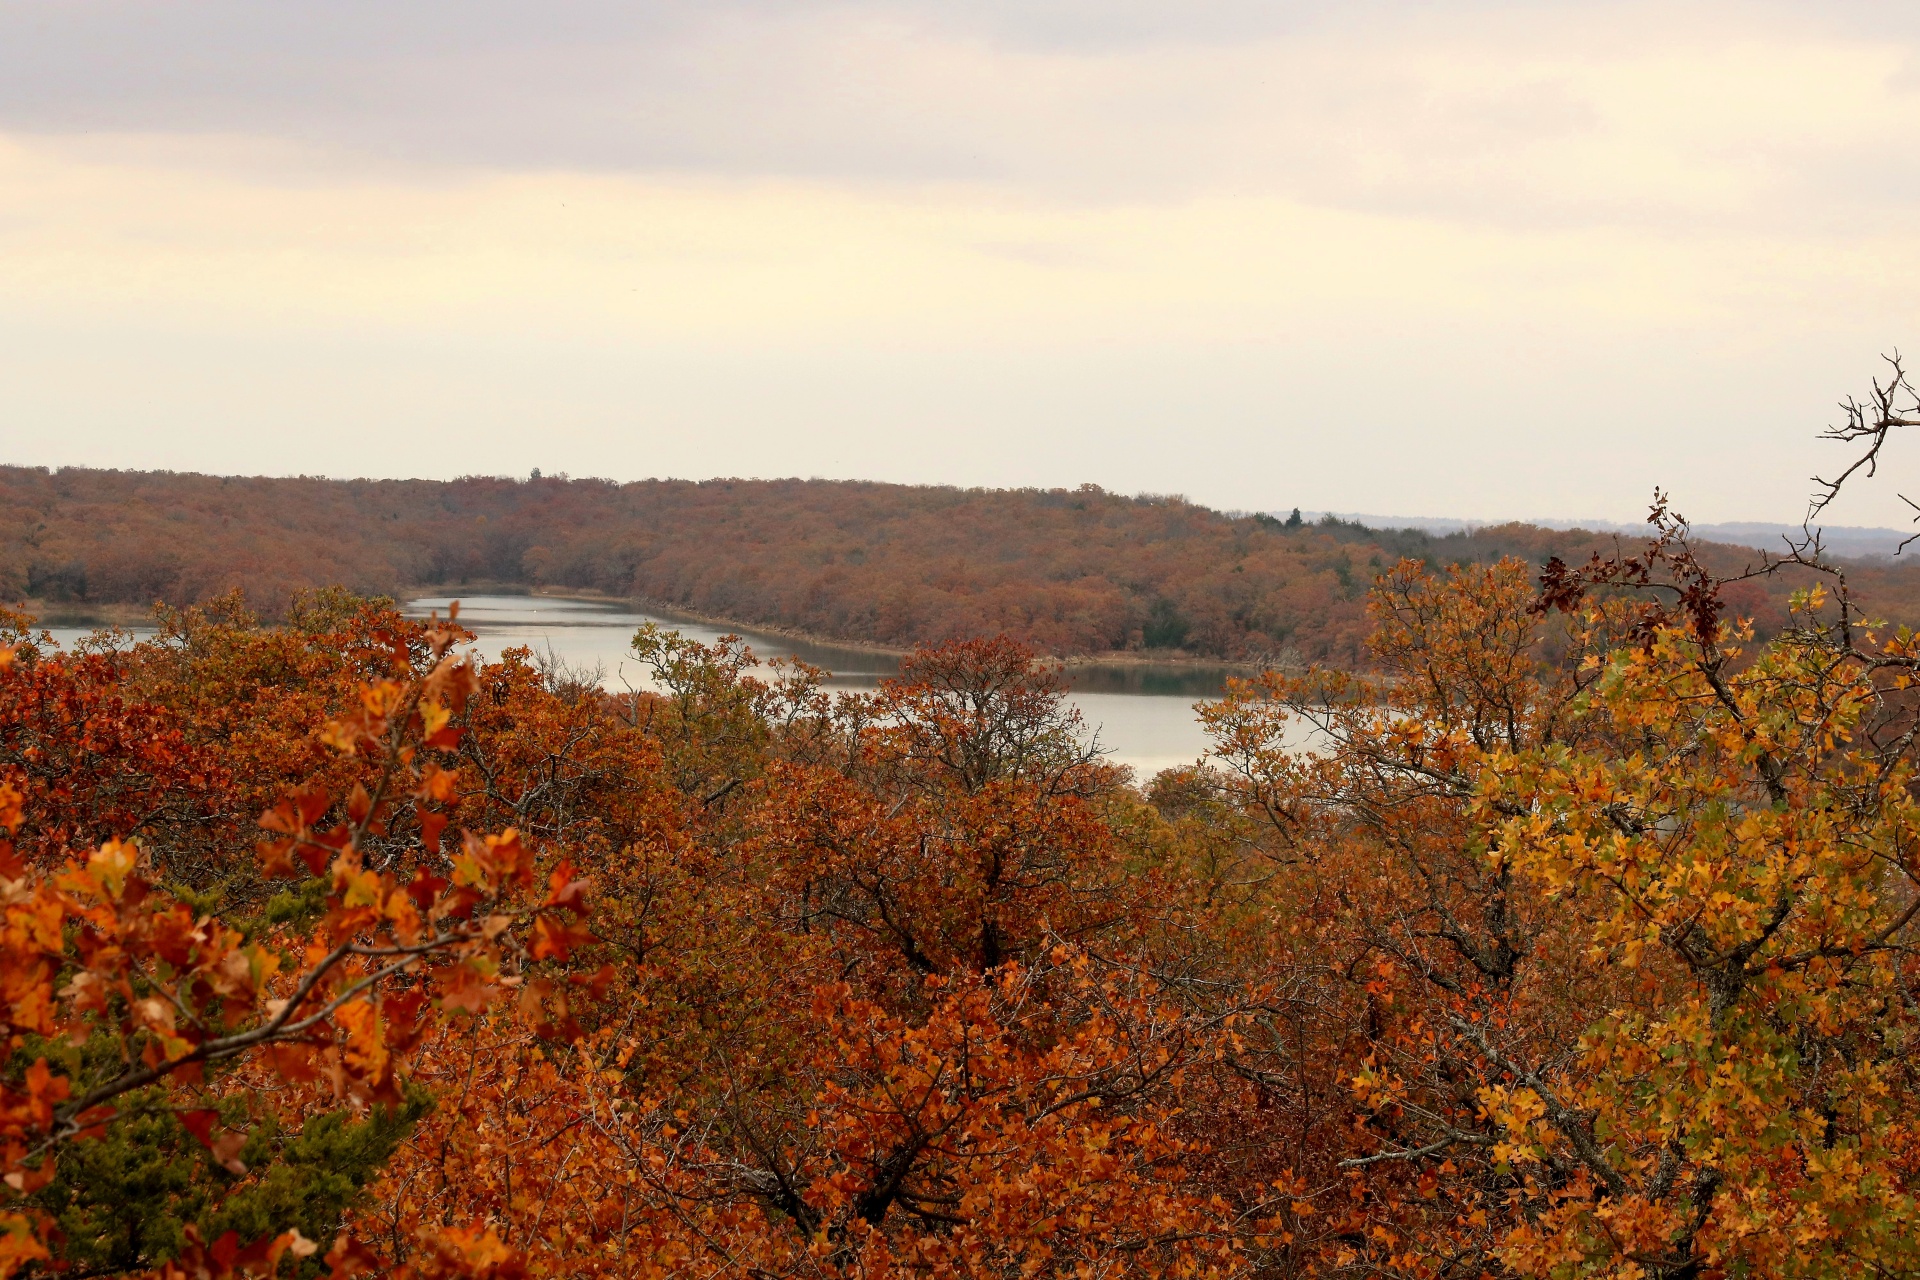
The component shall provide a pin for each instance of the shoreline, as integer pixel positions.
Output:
(1151, 658)
(674, 612)
(67, 617)
(1109, 658)
(73, 616)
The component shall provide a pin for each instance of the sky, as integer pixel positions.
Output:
(1479, 260)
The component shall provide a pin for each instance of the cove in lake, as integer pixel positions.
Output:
(1141, 712)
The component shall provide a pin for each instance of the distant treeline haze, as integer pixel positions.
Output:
(1070, 571)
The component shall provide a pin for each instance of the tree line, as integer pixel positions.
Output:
(1067, 571)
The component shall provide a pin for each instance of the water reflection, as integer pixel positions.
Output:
(1152, 680)
(590, 635)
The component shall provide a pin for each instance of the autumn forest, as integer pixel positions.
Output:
(1067, 571)
(1551, 912)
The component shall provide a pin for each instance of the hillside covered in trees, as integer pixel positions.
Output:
(330, 951)
(1583, 941)
(1069, 571)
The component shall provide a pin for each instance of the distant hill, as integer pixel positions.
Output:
(1077, 571)
(1840, 540)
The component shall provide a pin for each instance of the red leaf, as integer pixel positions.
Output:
(316, 857)
(551, 940)
(225, 1146)
(401, 1012)
(596, 982)
(425, 888)
(349, 1258)
(226, 1249)
(300, 810)
(276, 858)
(565, 891)
(200, 1124)
(460, 902)
(294, 1063)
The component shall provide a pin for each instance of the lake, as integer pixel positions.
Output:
(1142, 713)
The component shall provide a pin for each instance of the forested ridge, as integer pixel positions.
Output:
(1581, 947)
(1069, 571)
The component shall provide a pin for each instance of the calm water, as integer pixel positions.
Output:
(1142, 714)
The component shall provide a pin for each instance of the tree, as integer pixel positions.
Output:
(135, 1020)
(1619, 912)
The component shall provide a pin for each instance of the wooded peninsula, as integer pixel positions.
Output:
(1068, 571)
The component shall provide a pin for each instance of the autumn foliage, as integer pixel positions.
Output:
(1077, 571)
(1572, 937)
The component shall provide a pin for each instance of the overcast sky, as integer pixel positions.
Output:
(1426, 258)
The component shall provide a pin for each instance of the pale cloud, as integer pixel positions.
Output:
(1441, 258)
(720, 261)
(1598, 112)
